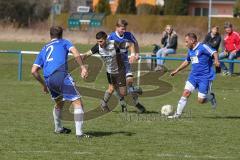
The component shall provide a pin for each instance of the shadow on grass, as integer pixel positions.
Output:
(147, 112)
(104, 133)
(224, 117)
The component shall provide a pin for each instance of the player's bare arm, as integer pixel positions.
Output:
(134, 49)
(181, 67)
(216, 61)
(87, 54)
(137, 50)
(79, 59)
(37, 76)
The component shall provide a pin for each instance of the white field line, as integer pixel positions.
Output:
(174, 155)
(51, 152)
(188, 156)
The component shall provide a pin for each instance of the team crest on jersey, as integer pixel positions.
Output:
(194, 59)
(197, 52)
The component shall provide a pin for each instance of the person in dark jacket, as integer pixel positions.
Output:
(213, 39)
(169, 42)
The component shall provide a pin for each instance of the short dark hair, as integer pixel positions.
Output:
(121, 23)
(101, 34)
(56, 32)
(215, 27)
(228, 25)
(192, 36)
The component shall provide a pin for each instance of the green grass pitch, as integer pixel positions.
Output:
(27, 127)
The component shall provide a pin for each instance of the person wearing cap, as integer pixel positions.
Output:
(231, 48)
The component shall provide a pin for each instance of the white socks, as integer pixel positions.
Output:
(106, 96)
(57, 118)
(181, 104)
(78, 117)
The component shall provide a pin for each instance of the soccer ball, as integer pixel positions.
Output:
(167, 110)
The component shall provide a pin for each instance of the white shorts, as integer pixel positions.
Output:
(190, 87)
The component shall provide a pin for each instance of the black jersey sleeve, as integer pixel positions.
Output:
(95, 49)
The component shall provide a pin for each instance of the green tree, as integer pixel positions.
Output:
(66, 5)
(236, 10)
(176, 7)
(126, 7)
(24, 12)
(159, 10)
(103, 7)
(144, 9)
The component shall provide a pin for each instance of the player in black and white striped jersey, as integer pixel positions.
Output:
(109, 50)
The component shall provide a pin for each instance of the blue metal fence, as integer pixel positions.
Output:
(20, 59)
(19, 53)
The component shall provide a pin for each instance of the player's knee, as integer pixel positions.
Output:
(58, 107)
(59, 103)
(110, 89)
(123, 93)
(186, 93)
(77, 103)
(201, 100)
(129, 80)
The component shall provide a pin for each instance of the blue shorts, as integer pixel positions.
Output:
(128, 69)
(61, 85)
(127, 65)
(202, 85)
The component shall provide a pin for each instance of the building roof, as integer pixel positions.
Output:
(214, 1)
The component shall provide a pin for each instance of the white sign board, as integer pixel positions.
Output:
(83, 9)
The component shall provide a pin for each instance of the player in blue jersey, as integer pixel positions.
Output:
(121, 35)
(202, 74)
(52, 59)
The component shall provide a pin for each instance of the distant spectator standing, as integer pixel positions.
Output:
(231, 48)
(169, 42)
(213, 39)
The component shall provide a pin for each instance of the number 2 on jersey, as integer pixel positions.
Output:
(49, 50)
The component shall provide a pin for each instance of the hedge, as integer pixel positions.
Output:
(156, 23)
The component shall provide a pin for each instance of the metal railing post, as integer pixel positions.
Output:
(19, 65)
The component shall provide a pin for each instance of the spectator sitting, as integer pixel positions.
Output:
(169, 42)
(232, 48)
(213, 39)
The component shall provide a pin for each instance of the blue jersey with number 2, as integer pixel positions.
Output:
(54, 56)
